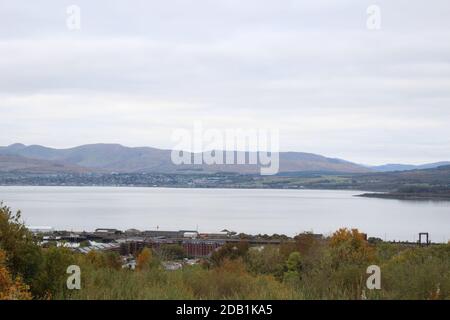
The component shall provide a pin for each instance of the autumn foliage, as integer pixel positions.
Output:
(144, 259)
(10, 288)
(351, 246)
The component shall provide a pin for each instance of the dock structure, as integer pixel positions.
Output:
(426, 236)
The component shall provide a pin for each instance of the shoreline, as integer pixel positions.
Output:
(405, 196)
(223, 187)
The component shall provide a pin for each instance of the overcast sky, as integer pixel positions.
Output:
(138, 70)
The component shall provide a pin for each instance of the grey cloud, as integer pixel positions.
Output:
(311, 68)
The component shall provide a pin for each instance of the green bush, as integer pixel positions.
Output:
(23, 255)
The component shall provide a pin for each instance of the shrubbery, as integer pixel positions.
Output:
(307, 268)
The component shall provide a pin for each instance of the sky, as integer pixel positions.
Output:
(136, 71)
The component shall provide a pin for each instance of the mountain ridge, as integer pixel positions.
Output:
(118, 158)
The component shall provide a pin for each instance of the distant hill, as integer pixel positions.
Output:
(392, 181)
(118, 158)
(405, 167)
(13, 163)
(418, 184)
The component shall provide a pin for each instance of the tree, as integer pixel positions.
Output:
(23, 255)
(351, 246)
(52, 279)
(294, 262)
(104, 259)
(350, 255)
(305, 242)
(266, 260)
(171, 251)
(230, 251)
(10, 288)
(113, 260)
(293, 265)
(144, 260)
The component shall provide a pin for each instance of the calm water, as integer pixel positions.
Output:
(250, 211)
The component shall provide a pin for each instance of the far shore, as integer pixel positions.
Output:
(407, 196)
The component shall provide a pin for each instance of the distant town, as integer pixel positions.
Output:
(419, 184)
(176, 247)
